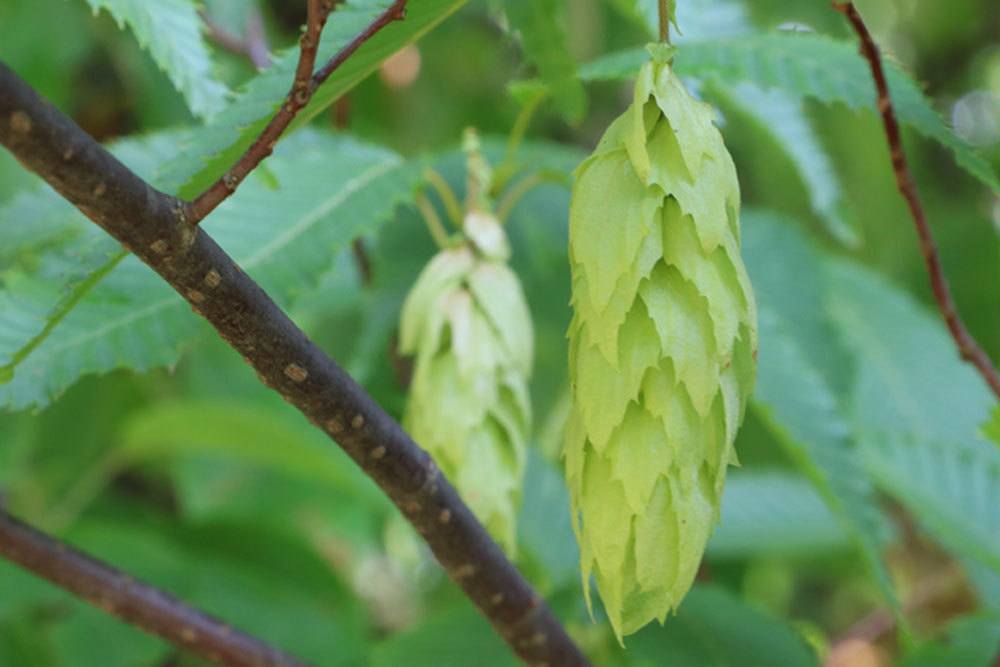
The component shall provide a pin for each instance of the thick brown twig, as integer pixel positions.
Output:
(304, 85)
(134, 602)
(152, 225)
(968, 347)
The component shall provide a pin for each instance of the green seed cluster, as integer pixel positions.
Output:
(662, 347)
(466, 321)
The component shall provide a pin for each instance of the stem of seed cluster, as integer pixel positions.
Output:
(432, 220)
(665, 7)
(447, 195)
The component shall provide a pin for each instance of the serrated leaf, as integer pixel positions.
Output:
(171, 31)
(773, 513)
(214, 148)
(952, 488)
(803, 65)
(782, 116)
(541, 24)
(330, 190)
(797, 373)
(905, 357)
(52, 256)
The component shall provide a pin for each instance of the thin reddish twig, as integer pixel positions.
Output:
(134, 602)
(969, 349)
(303, 87)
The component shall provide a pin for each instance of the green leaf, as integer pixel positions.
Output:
(53, 256)
(242, 432)
(544, 530)
(171, 31)
(773, 513)
(265, 581)
(211, 150)
(713, 627)
(782, 116)
(330, 189)
(24, 642)
(991, 429)
(803, 65)
(459, 636)
(952, 489)
(799, 369)
(541, 24)
(905, 358)
(972, 641)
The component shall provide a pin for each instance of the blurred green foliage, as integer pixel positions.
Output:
(869, 462)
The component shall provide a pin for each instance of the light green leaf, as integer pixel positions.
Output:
(773, 513)
(541, 23)
(329, 190)
(803, 65)
(953, 489)
(214, 148)
(782, 116)
(53, 256)
(171, 31)
(905, 358)
(799, 368)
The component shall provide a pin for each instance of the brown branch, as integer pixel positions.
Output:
(252, 44)
(152, 225)
(134, 602)
(304, 85)
(969, 349)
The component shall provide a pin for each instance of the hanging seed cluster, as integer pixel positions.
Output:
(467, 322)
(662, 347)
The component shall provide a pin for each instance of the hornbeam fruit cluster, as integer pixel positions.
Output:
(467, 323)
(662, 347)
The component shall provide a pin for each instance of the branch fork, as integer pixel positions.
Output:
(305, 83)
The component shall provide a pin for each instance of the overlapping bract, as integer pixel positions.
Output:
(662, 347)
(467, 322)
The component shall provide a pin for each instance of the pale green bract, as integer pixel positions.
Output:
(467, 322)
(662, 347)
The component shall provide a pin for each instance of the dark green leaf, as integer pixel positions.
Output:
(712, 628)
(459, 636)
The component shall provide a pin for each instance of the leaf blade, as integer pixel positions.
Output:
(171, 31)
